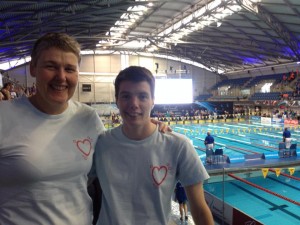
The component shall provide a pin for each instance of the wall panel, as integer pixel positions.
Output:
(101, 70)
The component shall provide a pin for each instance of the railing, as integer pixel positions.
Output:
(245, 195)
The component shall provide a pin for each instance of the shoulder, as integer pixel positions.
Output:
(176, 139)
(13, 103)
(175, 135)
(83, 109)
(81, 106)
(87, 114)
(108, 134)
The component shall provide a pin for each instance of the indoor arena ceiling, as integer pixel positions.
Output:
(223, 35)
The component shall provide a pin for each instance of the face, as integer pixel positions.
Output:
(135, 103)
(56, 73)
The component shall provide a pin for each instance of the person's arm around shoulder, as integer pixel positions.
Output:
(162, 127)
(200, 211)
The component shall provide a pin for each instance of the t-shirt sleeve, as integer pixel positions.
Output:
(190, 170)
(98, 123)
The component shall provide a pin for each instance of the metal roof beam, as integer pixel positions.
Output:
(279, 28)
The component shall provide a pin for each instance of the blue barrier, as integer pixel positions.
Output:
(254, 156)
(271, 155)
(236, 159)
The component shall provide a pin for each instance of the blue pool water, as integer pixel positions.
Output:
(263, 206)
(237, 141)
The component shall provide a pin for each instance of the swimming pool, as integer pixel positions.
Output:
(238, 140)
(273, 200)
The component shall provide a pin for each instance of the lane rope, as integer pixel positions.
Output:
(264, 189)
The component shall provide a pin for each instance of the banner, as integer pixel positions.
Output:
(277, 171)
(265, 172)
(292, 171)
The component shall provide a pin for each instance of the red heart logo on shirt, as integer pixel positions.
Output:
(159, 174)
(84, 146)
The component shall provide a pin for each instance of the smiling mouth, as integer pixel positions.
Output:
(59, 87)
(133, 114)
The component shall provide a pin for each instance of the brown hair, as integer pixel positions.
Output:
(135, 74)
(58, 40)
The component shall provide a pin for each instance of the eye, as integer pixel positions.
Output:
(70, 70)
(50, 66)
(143, 97)
(124, 96)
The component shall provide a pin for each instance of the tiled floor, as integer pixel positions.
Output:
(176, 215)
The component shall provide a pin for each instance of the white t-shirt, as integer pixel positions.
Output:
(44, 161)
(138, 177)
(13, 94)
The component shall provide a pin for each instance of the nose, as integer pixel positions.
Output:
(60, 74)
(134, 101)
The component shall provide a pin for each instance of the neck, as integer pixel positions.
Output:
(50, 109)
(138, 132)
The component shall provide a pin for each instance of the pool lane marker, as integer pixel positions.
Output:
(264, 189)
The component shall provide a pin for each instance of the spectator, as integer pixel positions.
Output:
(1, 96)
(33, 89)
(287, 137)
(138, 167)
(291, 76)
(13, 93)
(7, 87)
(20, 91)
(181, 198)
(285, 79)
